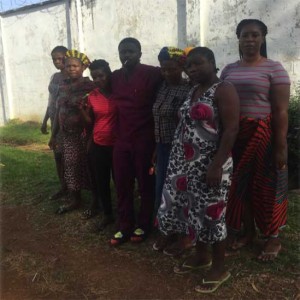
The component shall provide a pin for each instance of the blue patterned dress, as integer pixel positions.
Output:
(188, 204)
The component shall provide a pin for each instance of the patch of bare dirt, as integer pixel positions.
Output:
(43, 261)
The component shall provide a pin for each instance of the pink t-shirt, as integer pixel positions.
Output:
(253, 85)
(105, 115)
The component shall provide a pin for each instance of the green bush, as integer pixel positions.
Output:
(294, 140)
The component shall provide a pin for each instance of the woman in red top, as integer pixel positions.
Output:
(101, 112)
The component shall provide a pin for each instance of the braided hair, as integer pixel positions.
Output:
(100, 64)
(264, 31)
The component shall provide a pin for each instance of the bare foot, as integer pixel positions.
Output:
(242, 242)
(271, 250)
(193, 263)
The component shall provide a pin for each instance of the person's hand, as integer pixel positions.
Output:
(280, 157)
(44, 128)
(213, 175)
(52, 143)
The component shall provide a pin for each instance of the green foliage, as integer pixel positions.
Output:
(294, 139)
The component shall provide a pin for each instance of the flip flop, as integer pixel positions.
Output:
(214, 285)
(185, 268)
(271, 254)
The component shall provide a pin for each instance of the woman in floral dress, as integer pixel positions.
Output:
(198, 175)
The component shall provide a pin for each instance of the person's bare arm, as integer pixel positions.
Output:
(55, 129)
(45, 120)
(280, 95)
(229, 112)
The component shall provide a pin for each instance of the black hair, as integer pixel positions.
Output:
(264, 31)
(100, 64)
(207, 53)
(61, 49)
(131, 40)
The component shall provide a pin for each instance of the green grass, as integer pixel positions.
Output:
(28, 177)
(16, 132)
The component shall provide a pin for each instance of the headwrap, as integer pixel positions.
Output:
(187, 50)
(172, 53)
(81, 56)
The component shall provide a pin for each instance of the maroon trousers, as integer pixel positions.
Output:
(132, 161)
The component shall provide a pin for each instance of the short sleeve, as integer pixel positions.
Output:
(224, 73)
(279, 75)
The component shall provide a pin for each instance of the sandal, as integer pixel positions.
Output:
(138, 236)
(185, 268)
(118, 239)
(163, 241)
(214, 285)
(88, 214)
(65, 208)
(178, 248)
(270, 251)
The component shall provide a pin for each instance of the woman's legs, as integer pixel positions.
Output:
(217, 273)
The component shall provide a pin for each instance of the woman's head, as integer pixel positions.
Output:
(252, 37)
(75, 64)
(201, 65)
(171, 60)
(58, 54)
(101, 73)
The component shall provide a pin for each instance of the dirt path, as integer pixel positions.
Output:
(45, 256)
(39, 263)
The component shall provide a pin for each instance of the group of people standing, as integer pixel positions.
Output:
(209, 154)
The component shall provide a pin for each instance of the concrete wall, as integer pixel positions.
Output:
(27, 36)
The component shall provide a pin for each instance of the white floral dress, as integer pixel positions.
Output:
(188, 204)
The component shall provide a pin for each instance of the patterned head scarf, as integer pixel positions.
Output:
(172, 53)
(187, 50)
(80, 56)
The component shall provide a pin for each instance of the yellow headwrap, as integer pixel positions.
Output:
(81, 56)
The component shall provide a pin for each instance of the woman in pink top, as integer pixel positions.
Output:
(101, 112)
(258, 195)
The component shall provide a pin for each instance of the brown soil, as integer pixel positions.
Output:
(45, 258)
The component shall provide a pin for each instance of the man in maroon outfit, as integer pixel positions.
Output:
(133, 89)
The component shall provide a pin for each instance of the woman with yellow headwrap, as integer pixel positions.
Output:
(70, 121)
(170, 96)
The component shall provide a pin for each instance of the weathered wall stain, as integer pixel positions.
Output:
(28, 35)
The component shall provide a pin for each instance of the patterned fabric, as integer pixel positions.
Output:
(72, 95)
(75, 163)
(165, 110)
(172, 53)
(80, 56)
(253, 85)
(188, 204)
(256, 181)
